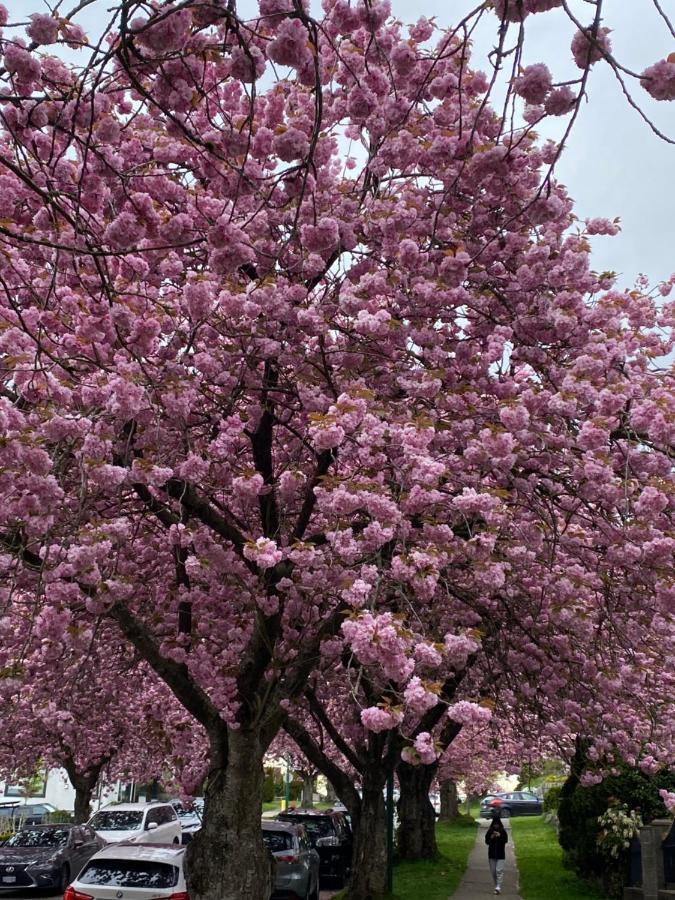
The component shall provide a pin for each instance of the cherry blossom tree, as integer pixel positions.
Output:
(87, 706)
(300, 344)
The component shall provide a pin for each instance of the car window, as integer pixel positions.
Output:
(316, 826)
(277, 841)
(37, 837)
(131, 873)
(170, 814)
(153, 815)
(117, 820)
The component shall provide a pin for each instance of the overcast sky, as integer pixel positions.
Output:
(613, 165)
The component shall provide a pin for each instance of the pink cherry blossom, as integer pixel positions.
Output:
(588, 48)
(659, 80)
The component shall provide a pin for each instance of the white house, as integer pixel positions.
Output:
(55, 789)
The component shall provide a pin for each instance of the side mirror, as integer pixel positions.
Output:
(151, 826)
(78, 842)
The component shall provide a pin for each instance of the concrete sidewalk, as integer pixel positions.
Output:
(477, 881)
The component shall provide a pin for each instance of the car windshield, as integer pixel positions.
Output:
(188, 813)
(37, 837)
(117, 820)
(277, 841)
(317, 826)
(129, 873)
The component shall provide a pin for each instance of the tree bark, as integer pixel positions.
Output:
(369, 860)
(307, 799)
(227, 859)
(416, 835)
(449, 801)
(84, 784)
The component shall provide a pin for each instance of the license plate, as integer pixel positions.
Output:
(9, 879)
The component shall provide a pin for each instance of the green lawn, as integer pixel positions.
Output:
(539, 858)
(437, 879)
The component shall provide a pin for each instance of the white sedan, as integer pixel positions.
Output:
(132, 871)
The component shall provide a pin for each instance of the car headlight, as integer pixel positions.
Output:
(43, 866)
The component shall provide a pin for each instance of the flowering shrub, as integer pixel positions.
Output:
(617, 826)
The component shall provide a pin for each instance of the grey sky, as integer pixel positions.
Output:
(613, 164)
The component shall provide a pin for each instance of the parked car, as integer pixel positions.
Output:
(147, 823)
(330, 835)
(517, 803)
(26, 814)
(45, 856)
(132, 871)
(190, 818)
(297, 862)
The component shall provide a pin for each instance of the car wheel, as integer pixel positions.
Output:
(176, 841)
(64, 880)
(505, 813)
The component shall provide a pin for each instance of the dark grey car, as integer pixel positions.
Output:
(516, 803)
(296, 862)
(46, 856)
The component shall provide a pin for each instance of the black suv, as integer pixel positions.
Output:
(330, 835)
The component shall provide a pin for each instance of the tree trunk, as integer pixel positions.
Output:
(449, 801)
(82, 809)
(227, 860)
(416, 835)
(84, 784)
(369, 859)
(307, 799)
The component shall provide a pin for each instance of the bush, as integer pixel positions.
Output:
(581, 807)
(552, 799)
(60, 817)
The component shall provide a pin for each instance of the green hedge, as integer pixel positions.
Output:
(552, 799)
(578, 813)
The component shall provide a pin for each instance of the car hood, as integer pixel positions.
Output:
(116, 837)
(24, 855)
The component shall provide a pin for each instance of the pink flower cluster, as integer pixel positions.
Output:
(43, 29)
(264, 553)
(423, 751)
(517, 10)
(467, 713)
(659, 80)
(668, 800)
(534, 83)
(377, 718)
(588, 48)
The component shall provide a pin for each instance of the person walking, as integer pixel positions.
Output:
(496, 839)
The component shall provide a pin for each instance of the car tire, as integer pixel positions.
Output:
(505, 813)
(176, 841)
(64, 879)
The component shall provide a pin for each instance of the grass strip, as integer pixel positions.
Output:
(540, 868)
(437, 879)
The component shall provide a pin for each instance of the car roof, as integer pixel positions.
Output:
(326, 813)
(169, 853)
(126, 807)
(276, 825)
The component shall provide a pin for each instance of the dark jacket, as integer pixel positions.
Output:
(496, 840)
